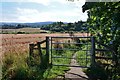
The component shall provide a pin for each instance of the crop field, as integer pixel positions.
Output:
(20, 42)
(14, 50)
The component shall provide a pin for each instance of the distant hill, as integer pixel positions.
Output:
(38, 23)
(29, 24)
(6, 25)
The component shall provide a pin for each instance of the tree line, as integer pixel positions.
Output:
(66, 27)
(10, 26)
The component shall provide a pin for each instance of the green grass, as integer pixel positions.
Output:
(56, 71)
(67, 54)
(17, 66)
(12, 64)
(83, 58)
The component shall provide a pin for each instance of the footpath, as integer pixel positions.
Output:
(75, 73)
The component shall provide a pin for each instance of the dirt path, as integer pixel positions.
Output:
(75, 72)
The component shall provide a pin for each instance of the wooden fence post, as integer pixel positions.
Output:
(40, 52)
(93, 51)
(31, 46)
(47, 50)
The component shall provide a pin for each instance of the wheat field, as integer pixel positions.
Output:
(20, 42)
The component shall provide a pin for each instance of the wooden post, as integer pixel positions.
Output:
(40, 52)
(47, 50)
(93, 51)
(31, 46)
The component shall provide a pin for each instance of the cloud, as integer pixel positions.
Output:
(25, 11)
(46, 2)
(59, 10)
(33, 15)
(43, 2)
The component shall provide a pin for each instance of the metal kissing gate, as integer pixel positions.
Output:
(72, 51)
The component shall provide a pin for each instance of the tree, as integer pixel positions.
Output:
(104, 22)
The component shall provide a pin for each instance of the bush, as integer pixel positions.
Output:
(20, 32)
(96, 73)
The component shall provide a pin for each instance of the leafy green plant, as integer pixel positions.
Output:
(103, 22)
(96, 72)
(83, 59)
(15, 67)
(56, 71)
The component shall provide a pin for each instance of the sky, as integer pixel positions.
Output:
(41, 10)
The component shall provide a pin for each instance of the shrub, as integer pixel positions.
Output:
(96, 73)
(20, 32)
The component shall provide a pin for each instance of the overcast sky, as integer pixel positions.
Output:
(41, 10)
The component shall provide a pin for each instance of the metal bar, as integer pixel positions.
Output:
(70, 37)
(65, 57)
(70, 65)
(86, 51)
(68, 49)
(68, 43)
(93, 51)
(106, 46)
(47, 50)
(104, 50)
(51, 49)
(103, 57)
(52, 42)
(38, 48)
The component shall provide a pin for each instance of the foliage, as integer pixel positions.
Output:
(83, 58)
(63, 27)
(96, 73)
(15, 67)
(10, 26)
(20, 32)
(56, 71)
(104, 23)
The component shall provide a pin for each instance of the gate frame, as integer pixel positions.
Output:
(49, 49)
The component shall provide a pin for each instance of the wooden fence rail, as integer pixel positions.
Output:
(107, 49)
(38, 47)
